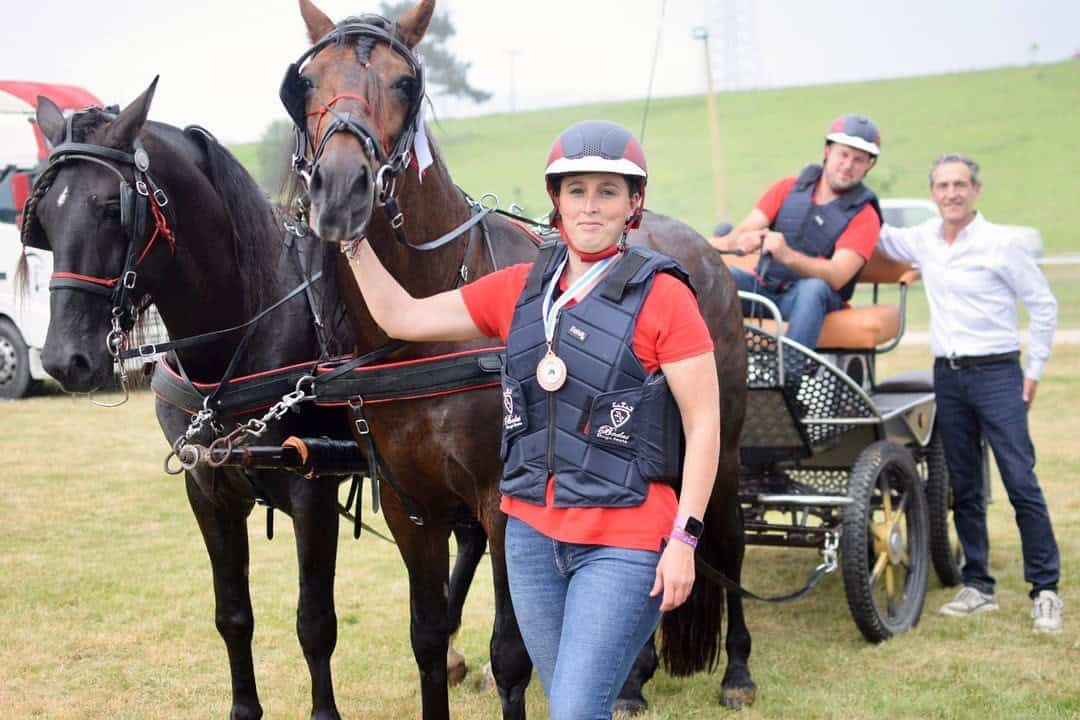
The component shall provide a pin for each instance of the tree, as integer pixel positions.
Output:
(443, 71)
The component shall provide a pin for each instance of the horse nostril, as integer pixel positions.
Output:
(316, 180)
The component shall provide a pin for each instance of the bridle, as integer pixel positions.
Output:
(307, 153)
(143, 209)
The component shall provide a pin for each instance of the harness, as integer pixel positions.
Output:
(392, 162)
(142, 201)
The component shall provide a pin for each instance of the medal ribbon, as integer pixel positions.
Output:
(551, 311)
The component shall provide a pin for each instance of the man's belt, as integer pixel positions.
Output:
(966, 361)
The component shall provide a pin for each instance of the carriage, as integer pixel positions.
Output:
(834, 458)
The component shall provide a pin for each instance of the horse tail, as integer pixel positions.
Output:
(690, 634)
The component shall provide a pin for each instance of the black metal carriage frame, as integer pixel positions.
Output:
(835, 460)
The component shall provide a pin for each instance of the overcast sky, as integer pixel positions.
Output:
(221, 62)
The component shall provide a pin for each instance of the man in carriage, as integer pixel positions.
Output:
(815, 232)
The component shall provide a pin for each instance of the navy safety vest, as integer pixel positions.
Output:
(612, 428)
(814, 229)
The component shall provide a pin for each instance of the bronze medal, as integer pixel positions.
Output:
(551, 372)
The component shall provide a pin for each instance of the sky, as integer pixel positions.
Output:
(221, 62)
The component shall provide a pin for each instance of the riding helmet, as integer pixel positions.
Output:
(857, 131)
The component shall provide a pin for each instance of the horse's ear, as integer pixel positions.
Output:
(413, 23)
(318, 24)
(129, 122)
(50, 120)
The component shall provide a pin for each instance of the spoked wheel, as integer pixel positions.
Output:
(884, 545)
(945, 552)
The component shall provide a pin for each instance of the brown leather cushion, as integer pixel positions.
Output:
(857, 328)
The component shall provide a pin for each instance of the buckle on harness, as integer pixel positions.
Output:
(362, 426)
(397, 221)
(140, 185)
(128, 280)
(161, 198)
(148, 350)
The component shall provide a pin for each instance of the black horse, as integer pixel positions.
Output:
(210, 256)
(355, 96)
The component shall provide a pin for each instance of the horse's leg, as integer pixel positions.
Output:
(471, 541)
(510, 661)
(631, 699)
(315, 520)
(426, 553)
(225, 533)
(737, 689)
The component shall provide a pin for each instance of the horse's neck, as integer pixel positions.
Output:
(204, 289)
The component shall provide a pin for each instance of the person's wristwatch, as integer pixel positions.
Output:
(687, 529)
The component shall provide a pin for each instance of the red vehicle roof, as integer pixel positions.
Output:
(67, 97)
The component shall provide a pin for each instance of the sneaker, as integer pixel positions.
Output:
(968, 602)
(1046, 612)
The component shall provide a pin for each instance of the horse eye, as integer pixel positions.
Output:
(406, 85)
(112, 210)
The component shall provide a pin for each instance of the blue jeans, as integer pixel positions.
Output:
(987, 400)
(803, 304)
(584, 612)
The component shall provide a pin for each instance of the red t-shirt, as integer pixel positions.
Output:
(861, 234)
(669, 328)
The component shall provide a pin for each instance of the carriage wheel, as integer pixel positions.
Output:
(945, 552)
(884, 555)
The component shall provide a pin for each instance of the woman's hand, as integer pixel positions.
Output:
(674, 575)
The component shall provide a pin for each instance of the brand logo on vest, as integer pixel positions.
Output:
(577, 333)
(620, 415)
(510, 420)
(819, 220)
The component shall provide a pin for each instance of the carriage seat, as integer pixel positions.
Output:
(855, 328)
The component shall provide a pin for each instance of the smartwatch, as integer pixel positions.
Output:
(690, 525)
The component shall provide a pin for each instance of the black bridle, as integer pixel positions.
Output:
(308, 151)
(144, 216)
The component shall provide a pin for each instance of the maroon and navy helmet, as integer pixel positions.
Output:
(857, 131)
(597, 146)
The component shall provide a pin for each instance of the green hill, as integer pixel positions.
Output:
(1019, 123)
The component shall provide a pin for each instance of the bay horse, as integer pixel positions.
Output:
(354, 97)
(217, 255)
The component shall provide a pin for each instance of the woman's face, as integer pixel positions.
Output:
(594, 209)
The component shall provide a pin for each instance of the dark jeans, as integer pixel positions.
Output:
(803, 304)
(986, 399)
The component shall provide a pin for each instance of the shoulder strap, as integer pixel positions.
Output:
(615, 286)
(535, 281)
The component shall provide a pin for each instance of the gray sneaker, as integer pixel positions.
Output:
(1046, 612)
(968, 602)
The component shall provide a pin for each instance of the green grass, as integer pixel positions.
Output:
(1017, 122)
(108, 611)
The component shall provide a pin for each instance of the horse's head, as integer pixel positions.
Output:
(354, 97)
(90, 207)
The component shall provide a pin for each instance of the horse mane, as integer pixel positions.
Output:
(251, 217)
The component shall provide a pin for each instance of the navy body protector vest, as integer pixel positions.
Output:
(612, 428)
(814, 229)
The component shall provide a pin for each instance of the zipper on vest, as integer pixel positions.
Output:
(552, 407)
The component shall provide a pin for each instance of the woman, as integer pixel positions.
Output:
(608, 359)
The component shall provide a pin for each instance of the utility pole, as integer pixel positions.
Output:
(702, 33)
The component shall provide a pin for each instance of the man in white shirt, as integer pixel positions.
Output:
(974, 272)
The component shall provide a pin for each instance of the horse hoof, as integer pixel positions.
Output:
(486, 682)
(625, 707)
(736, 698)
(456, 667)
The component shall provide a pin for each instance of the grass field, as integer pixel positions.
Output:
(1014, 121)
(107, 606)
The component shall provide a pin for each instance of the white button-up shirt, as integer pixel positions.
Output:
(972, 286)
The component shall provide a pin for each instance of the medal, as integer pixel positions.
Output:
(551, 372)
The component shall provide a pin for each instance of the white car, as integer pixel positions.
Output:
(907, 212)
